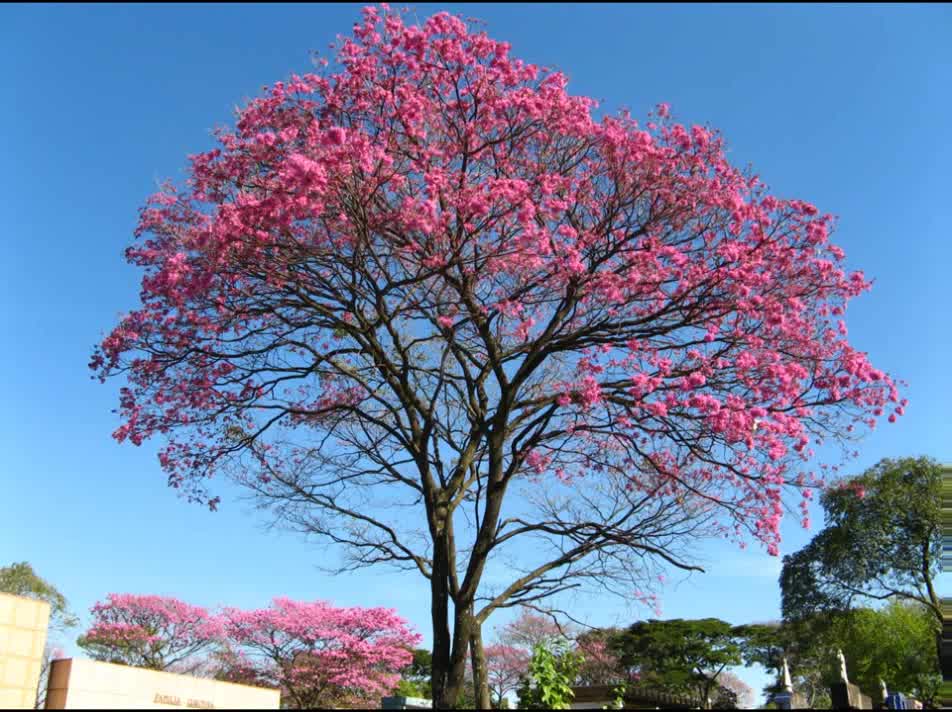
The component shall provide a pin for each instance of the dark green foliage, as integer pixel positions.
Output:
(881, 542)
(21, 580)
(680, 656)
(808, 645)
(416, 677)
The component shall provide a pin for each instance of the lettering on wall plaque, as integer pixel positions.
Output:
(177, 701)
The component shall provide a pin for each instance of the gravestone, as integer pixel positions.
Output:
(847, 696)
(789, 700)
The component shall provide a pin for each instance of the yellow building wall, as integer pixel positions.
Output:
(76, 683)
(23, 623)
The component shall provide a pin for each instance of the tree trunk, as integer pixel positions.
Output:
(456, 670)
(480, 671)
(439, 615)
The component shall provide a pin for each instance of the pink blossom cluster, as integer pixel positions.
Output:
(601, 666)
(649, 599)
(316, 653)
(149, 631)
(531, 629)
(697, 319)
(505, 666)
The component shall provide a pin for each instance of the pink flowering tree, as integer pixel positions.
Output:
(319, 655)
(229, 663)
(427, 305)
(505, 666)
(743, 695)
(148, 631)
(532, 628)
(600, 664)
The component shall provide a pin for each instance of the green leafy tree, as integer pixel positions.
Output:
(415, 678)
(896, 644)
(408, 688)
(20, 579)
(548, 684)
(806, 643)
(882, 542)
(680, 656)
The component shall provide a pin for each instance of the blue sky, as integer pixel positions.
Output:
(847, 107)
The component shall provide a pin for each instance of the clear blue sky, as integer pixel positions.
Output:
(847, 107)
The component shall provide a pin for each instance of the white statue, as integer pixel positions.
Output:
(882, 688)
(787, 683)
(842, 659)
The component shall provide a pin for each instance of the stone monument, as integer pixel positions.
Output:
(787, 699)
(844, 695)
(842, 658)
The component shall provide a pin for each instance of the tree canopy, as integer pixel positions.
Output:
(156, 632)
(808, 644)
(426, 281)
(896, 644)
(322, 656)
(680, 655)
(881, 542)
(21, 580)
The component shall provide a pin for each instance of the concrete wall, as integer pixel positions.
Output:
(23, 624)
(76, 683)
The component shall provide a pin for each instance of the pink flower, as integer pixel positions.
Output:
(657, 408)
(335, 136)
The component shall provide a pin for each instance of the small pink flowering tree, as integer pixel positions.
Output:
(428, 306)
(600, 665)
(505, 667)
(319, 655)
(744, 697)
(533, 628)
(149, 631)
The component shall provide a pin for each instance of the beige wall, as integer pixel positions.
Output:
(23, 624)
(76, 683)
